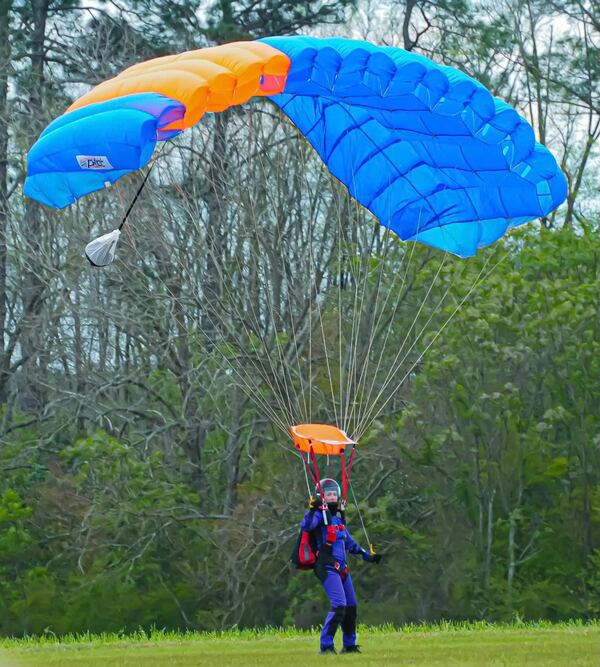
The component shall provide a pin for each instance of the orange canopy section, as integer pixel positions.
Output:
(323, 438)
(210, 79)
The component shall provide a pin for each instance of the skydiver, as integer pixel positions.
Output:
(331, 569)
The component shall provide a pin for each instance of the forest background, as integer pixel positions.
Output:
(144, 477)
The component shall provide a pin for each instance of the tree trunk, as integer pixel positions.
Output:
(512, 526)
(33, 283)
(489, 539)
(5, 53)
(232, 452)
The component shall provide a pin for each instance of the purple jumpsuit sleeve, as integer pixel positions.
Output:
(355, 548)
(312, 520)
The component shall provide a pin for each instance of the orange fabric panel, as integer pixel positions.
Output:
(323, 438)
(211, 79)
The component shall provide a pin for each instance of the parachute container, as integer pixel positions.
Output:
(323, 438)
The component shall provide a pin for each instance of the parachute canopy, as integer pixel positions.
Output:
(424, 147)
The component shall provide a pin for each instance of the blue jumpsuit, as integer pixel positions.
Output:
(338, 582)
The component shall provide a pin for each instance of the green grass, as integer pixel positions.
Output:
(541, 644)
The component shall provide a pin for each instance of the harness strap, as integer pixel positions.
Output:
(343, 573)
(316, 475)
(317, 478)
(310, 472)
(351, 461)
(344, 477)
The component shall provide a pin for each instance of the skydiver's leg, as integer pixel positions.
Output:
(335, 592)
(349, 622)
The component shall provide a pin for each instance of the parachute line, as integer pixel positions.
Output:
(478, 279)
(252, 388)
(254, 322)
(279, 385)
(362, 523)
(395, 366)
(401, 295)
(358, 390)
(312, 262)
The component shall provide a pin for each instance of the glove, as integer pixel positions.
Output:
(331, 535)
(371, 557)
(313, 504)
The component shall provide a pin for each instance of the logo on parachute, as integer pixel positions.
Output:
(93, 162)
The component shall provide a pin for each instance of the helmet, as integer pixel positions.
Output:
(328, 484)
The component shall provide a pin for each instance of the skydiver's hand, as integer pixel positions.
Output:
(313, 504)
(371, 557)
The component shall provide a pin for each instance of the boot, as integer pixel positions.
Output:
(327, 650)
(351, 649)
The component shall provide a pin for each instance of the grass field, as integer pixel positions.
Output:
(535, 645)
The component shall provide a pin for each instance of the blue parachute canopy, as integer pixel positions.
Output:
(426, 148)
